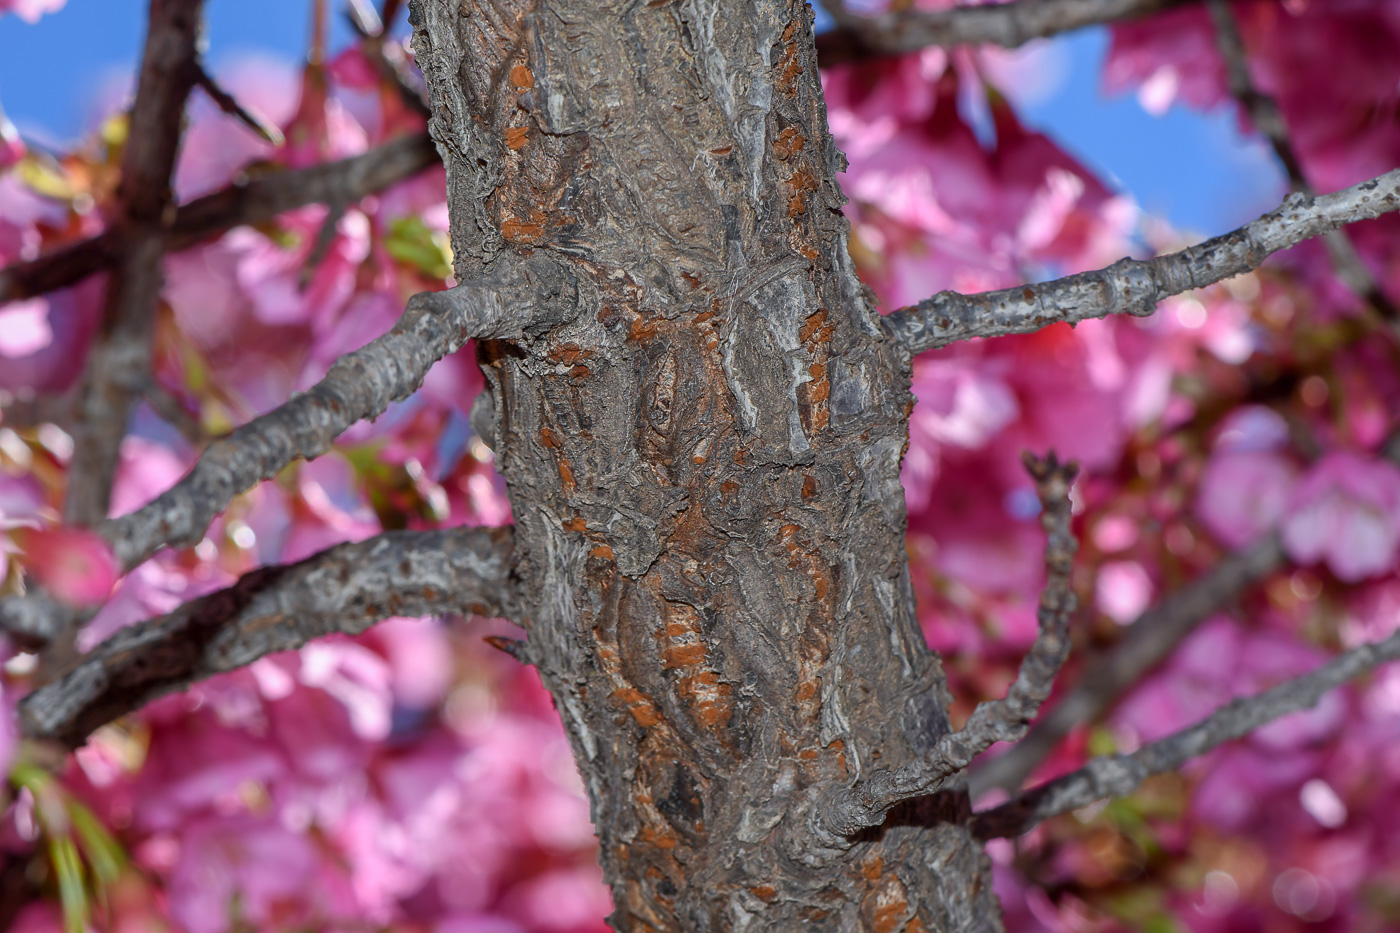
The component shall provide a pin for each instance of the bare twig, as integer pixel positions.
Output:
(1264, 113)
(1003, 720)
(1118, 775)
(389, 61)
(359, 385)
(173, 412)
(1010, 25)
(250, 201)
(1132, 286)
(1144, 645)
(119, 360)
(230, 105)
(344, 589)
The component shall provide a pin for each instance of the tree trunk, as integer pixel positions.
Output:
(703, 457)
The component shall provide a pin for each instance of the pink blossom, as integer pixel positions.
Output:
(74, 564)
(1244, 493)
(12, 148)
(244, 861)
(30, 10)
(9, 729)
(1346, 512)
(1123, 590)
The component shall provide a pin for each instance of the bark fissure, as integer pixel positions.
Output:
(704, 462)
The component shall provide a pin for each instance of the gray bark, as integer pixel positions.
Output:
(704, 461)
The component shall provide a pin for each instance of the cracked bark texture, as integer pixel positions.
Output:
(703, 461)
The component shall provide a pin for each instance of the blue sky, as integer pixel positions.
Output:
(1194, 169)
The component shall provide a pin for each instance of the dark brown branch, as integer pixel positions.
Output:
(1132, 286)
(344, 589)
(230, 105)
(1118, 775)
(1144, 645)
(118, 362)
(1264, 113)
(359, 385)
(1009, 25)
(251, 201)
(1003, 720)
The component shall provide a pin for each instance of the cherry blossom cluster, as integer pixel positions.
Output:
(414, 779)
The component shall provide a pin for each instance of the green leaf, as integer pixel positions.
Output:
(412, 243)
(102, 851)
(68, 867)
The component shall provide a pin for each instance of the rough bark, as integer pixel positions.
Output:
(344, 589)
(704, 462)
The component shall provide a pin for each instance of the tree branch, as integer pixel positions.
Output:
(248, 202)
(344, 589)
(1009, 25)
(359, 385)
(1264, 113)
(230, 105)
(1004, 720)
(118, 362)
(1144, 645)
(1118, 775)
(1132, 286)
(374, 42)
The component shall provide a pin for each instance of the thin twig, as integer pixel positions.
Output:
(1119, 775)
(898, 32)
(1005, 720)
(231, 106)
(359, 385)
(344, 589)
(388, 60)
(173, 412)
(1132, 286)
(1144, 645)
(250, 201)
(1264, 113)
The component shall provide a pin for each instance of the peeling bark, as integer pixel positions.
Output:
(704, 461)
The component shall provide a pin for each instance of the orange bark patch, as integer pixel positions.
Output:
(550, 438)
(602, 552)
(642, 330)
(683, 649)
(521, 77)
(639, 705)
(522, 231)
(789, 141)
(516, 137)
(566, 475)
(576, 524)
(809, 326)
(571, 353)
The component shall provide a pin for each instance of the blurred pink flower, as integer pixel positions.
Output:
(1346, 512)
(1244, 493)
(76, 565)
(9, 730)
(12, 148)
(244, 867)
(30, 10)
